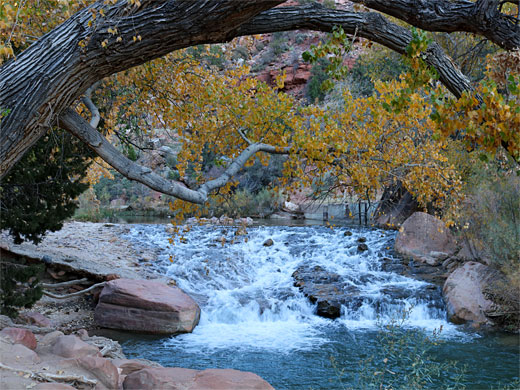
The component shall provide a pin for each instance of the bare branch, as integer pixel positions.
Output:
(76, 125)
(369, 25)
(87, 101)
(48, 377)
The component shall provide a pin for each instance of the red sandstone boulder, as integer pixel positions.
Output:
(73, 347)
(127, 366)
(464, 293)
(426, 239)
(146, 306)
(20, 336)
(173, 378)
(13, 354)
(103, 369)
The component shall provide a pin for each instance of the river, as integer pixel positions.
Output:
(254, 318)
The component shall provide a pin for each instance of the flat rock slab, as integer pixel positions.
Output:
(147, 306)
(91, 249)
(185, 379)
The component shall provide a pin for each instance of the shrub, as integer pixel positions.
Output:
(18, 286)
(490, 222)
(405, 360)
(315, 92)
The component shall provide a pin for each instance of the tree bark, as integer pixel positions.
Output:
(56, 70)
(372, 26)
(482, 17)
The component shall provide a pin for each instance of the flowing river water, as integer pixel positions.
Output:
(254, 318)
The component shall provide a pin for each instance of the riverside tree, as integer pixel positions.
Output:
(49, 66)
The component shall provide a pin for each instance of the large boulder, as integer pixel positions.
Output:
(426, 239)
(146, 306)
(464, 293)
(174, 378)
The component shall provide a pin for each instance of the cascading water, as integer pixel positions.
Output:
(254, 318)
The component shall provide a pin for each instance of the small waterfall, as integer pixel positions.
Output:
(247, 294)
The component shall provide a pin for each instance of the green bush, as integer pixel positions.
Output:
(315, 91)
(18, 286)
(39, 192)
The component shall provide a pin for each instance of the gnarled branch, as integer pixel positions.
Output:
(76, 125)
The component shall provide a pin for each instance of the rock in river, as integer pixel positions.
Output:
(326, 289)
(464, 292)
(146, 306)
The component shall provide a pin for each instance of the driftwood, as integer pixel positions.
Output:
(41, 376)
(65, 296)
(51, 286)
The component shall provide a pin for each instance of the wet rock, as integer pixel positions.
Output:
(327, 290)
(146, 306)
(347, 234)
(362, 239)
(20, 336)
(464, 294)
(423, 237)
(268, 242)
(73, 347)
(362, 247)
(173, 378)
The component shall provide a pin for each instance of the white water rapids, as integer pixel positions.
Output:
(246, 290)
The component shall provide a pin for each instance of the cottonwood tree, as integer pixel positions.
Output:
(40, 87)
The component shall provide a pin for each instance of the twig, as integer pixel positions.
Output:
(74, 294)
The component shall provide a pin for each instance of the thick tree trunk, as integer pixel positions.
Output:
(50, 75)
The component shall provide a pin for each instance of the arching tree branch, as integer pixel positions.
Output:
(482, 17)
(370, 25)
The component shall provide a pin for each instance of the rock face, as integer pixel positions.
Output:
(464, 294)
(146, 306)
(426, 239)
(186, 379)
